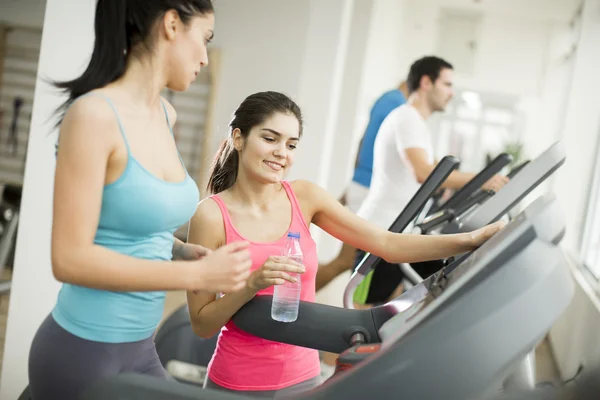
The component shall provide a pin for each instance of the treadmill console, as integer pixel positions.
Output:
(469, 269)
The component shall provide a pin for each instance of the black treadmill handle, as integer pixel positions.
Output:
(478, 180)
(318, 326)
(477, 198)
(433, 182)
(435, 220)
(445, 216)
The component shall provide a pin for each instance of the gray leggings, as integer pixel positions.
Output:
(294, 389)
(62, 365)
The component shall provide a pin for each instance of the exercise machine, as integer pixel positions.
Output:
(456, 335)
(10, 203)
(186, 356)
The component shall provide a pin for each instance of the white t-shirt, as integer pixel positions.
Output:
(394, 182)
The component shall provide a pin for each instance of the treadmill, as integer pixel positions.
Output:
(471, 209)
(470, 192)
(186, 356)
(527, 178)
(456, 335)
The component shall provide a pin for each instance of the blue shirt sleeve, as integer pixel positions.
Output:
(380, 110)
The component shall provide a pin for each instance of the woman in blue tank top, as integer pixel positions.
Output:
(121, 190)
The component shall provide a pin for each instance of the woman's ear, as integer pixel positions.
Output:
(170, 24)
(238, 140)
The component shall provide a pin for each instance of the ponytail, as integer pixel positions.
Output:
(224, 169)
(107, 63)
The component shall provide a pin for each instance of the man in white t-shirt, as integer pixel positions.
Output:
(403, 154)
(403, 158)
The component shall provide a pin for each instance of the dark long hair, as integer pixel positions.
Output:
(253, 111)
(120, 25)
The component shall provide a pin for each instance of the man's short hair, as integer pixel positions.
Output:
(430, 66)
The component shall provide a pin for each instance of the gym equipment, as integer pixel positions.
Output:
(186, 356)
(521, 184)
(13, 142)
(474, 184)
(10, 204)
(475, 205)
(456, 335)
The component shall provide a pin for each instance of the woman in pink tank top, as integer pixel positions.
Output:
(252, 202)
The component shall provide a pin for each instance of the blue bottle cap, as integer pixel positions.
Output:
(295, 235)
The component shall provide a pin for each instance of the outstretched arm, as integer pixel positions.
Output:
(456, 180)
(341, 223)
(418, 159)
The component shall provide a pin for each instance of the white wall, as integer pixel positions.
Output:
(574, 337)
(343, 138)
(384, 66)
(581, 128)
(320, 83)
(34, 289)
(262, 46)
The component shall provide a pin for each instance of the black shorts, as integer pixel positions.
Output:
(386, 277)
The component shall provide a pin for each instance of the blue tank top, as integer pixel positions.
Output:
(382, 107)
(139, 215)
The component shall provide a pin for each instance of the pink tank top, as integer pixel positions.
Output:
(242, 361)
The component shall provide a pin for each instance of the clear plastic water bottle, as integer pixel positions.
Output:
(286, 297)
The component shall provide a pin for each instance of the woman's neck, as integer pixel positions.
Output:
(253, 194)
(143, 81)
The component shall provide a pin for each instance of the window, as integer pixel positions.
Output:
(591, 235)
(19, 54)
(477, 127)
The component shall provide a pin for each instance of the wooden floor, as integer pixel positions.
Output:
(546, 367)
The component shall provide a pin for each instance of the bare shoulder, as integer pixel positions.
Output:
(306, 189)
(208, 213)
(89, 121)
(206, 225)
(170, 111)
(91, 109)
(312, 197)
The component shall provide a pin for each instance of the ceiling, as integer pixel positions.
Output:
(555, 10)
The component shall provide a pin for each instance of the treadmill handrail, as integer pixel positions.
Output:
(433, 182)
(318, 326)
(445, 216)
(477, 181)
(526, 180)
(434, 221)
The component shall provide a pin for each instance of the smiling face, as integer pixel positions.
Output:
(267, 153)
